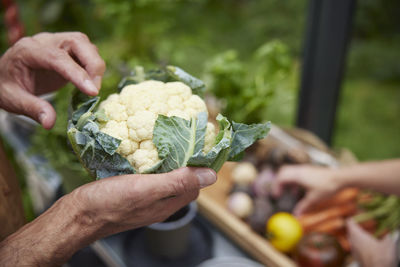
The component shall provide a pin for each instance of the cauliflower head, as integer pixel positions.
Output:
(132, 114)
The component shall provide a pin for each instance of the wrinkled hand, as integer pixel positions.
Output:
(370, 251)
(318, 181)
(44, 63)
(99, 209)
(130, 201)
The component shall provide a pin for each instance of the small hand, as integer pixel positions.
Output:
(44, 63)
(120, 203)
(318, 181)
(370, 251)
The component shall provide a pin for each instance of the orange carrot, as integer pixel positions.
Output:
(369, 225)
(344, 242)
(343, 196)
(332, 226)
(311, 219)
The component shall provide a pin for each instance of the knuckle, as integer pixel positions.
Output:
(180, 187)
(24, 44)
(57, 58)
(68, 42)
(82, 36)
(41, 35)
(95, 48)
(57, 54)
(98, 66)
(24, 41)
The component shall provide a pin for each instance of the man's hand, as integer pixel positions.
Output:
(130, 201)
(99, 209)
(44, 63)
(319, 182)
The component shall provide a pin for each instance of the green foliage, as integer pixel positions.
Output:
(249, 87)
(52, 145)
(368, 119)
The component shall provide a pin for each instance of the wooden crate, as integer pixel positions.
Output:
(212, 204)
(212, 200)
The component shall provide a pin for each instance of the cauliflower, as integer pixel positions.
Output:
(132, 115)
(153, 126)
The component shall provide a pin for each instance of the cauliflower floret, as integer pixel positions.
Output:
(178, 89)
(148, 144)
(113, 109)
(175, 102)
(153, 85)
(127, 147)
(209, 139)
(132, 115)
(128, 90)
(133, 135)
(143, 123)
(110, 98)
(192, 113)
(116, 129)
(143, 159)
(195, 103)
(178, 113)
(159, 108)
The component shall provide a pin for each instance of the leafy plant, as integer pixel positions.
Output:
(248, 88)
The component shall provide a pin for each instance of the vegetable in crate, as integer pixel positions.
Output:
(240, 204)
(319, 250)
(283, 231)
(380, 208)
(244, 173)
(262, 211)
(156, 123)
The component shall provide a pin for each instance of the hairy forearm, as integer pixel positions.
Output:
(50, 239)
(383, 176)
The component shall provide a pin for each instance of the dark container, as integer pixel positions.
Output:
(169, 239)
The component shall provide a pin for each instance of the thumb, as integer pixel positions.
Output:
(24, 103)
(191, 179)
(181, 181)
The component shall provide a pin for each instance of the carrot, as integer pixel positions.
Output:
(309, 220)
(343, 196)
(332, 226)
(344, 242)
(369, 225)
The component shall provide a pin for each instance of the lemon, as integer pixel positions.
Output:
(283, 231)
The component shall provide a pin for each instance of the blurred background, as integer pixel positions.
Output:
(249, 53)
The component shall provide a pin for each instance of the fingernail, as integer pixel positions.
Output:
(206, 177)
(97, 82)
(90, 87)
(42, 117)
